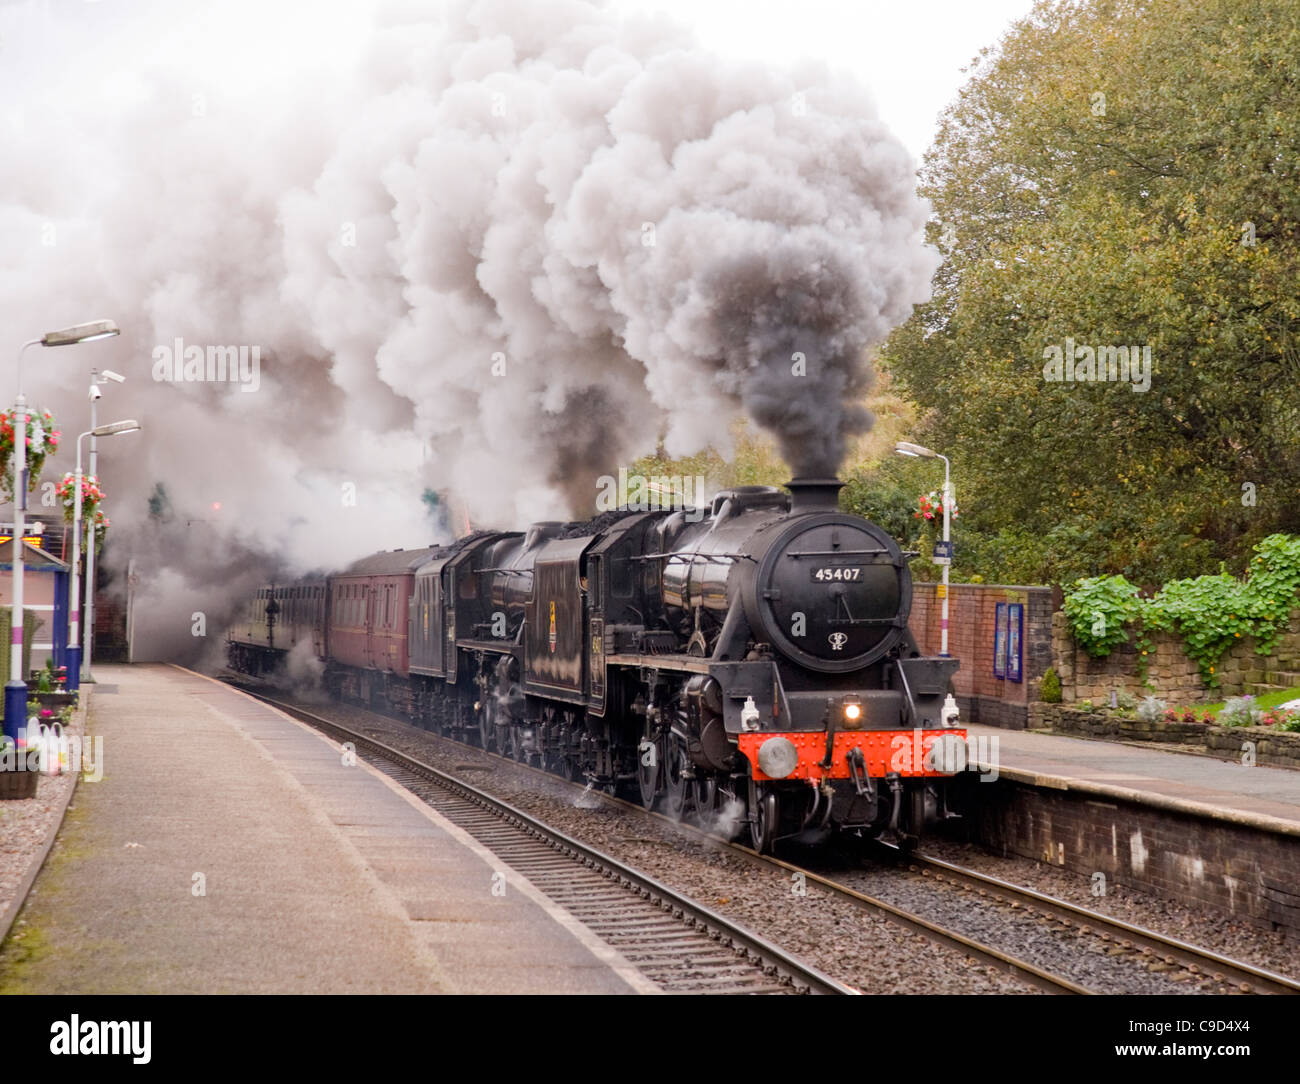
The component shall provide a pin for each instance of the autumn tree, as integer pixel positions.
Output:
(1118, 173)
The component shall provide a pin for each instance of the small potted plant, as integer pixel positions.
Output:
(19, 769)
(49, 687)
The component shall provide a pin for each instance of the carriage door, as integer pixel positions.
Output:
(372, 606)
(595, 637)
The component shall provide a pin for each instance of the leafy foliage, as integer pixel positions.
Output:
(1098, 610)
(1119, 172)
(1209, 613)
(1151, 710)
(160, 504)
(1239, 711)
(1050, 690)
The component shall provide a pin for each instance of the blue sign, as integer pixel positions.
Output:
(1008, 631)
(943, 553)
(1015, 626)
(1000, 642)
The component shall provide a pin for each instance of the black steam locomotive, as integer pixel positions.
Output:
(747, 664)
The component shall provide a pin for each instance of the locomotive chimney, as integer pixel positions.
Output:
(814, 494)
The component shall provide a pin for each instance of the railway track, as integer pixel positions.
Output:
(1198, 961)
(673, 941)
(1121, 935)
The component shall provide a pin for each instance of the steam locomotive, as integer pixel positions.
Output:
(747, 664)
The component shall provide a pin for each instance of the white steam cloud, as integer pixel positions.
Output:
(498, 254)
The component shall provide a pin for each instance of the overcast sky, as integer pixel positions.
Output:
(910, 52)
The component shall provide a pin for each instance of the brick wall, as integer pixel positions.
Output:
(972, 618)
(1245, 871)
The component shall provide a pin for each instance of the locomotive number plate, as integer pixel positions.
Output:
(836, 573)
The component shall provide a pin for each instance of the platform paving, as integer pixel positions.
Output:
(228, 849)
(1264, 797)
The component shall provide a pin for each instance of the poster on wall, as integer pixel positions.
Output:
(1015, 626)
(1000, 642)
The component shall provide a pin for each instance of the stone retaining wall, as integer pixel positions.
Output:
(1098, 724)
(1271, 747)
(1171, 675)
(1274, 748)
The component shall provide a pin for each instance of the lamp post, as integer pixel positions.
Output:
(74, 647)
(97, 377)
(919, 451)
(16, 687)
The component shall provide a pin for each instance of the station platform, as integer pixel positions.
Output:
(1256, 797)
(228, 849)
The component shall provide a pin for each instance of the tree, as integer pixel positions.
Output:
(1118, 173)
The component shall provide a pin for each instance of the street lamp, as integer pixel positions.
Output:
(16, 687)
(74, 648)
(920, 451)
(97, 377)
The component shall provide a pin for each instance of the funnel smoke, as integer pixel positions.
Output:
(499, 252)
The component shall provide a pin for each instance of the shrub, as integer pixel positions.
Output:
(1083, 705)
(1126, 701)
(1151, 709)
(1050, 691)
(1098, 609)
(1209, 613)
(1188, 716)
(1240, 711)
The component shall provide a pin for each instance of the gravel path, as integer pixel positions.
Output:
(25, 825)
(837, 937)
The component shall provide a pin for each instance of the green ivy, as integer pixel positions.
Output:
(1098, 608)
(1209, 613)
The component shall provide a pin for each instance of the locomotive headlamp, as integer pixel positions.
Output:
(852, 712)
(777, 757)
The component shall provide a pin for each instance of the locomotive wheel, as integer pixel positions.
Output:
(763, 825)
(487, 725)
(517, 751)
(704, 796)
(678, 789)
(557, 758)
(648, 775)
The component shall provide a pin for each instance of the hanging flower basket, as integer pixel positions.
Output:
(930, 507)
(42, 439)
(100, 523)
(91, 495)
(92, 516)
